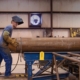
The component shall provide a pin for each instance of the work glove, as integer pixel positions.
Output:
(14, 42)
(9, 40)
(12, 48)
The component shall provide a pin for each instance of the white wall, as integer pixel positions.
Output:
(24, 5)
(59, 20)
(61, 33)
(66, 20)
(66, 5)
(27, 33)
(5, 19)
(46, 21)
(17, 33)
(38, 32)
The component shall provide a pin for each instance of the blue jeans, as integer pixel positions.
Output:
(6, 55)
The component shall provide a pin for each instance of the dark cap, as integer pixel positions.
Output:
(17, 19)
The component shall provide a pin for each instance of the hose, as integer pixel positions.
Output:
(16, 63)
(13, 64)
(19, 55)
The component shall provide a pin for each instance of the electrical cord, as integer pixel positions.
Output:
(19, 57)
(14, 64)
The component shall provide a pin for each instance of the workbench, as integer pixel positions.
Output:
(30, 57)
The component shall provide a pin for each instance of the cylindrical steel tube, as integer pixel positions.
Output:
(47, 44)
(73, 54)
(66, 57)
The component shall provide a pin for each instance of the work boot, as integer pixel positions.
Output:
(11, 76)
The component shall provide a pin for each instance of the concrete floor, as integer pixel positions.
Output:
(71, 78)
(14, 79)
(20, 69)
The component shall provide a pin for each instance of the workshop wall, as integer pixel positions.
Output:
(66, 5)
(46, 20)
(69, 19)
(28, 5)
(61, 33)
(34, 33)
(5, 19)
(63, 20)
(24, 5)
(60, 20)
(27, 33)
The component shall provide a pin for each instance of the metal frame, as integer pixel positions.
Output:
(51, 9)
(69, 58)
(30, 57)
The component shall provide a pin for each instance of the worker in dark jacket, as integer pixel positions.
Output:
(6, 39)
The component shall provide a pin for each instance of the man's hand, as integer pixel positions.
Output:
(14, 42)
(10, 40)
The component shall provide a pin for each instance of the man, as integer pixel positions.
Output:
(6, 39)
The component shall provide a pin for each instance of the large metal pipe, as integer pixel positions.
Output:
(47, 44)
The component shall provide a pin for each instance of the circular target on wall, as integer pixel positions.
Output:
(35, 20)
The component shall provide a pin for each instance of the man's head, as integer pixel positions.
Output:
(16, 21)
(15, 24)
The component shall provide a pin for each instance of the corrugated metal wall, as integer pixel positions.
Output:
(60, 20)
(24, 5)
(5, 19)
(61, 33)
(66, 5)
(66, 20)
